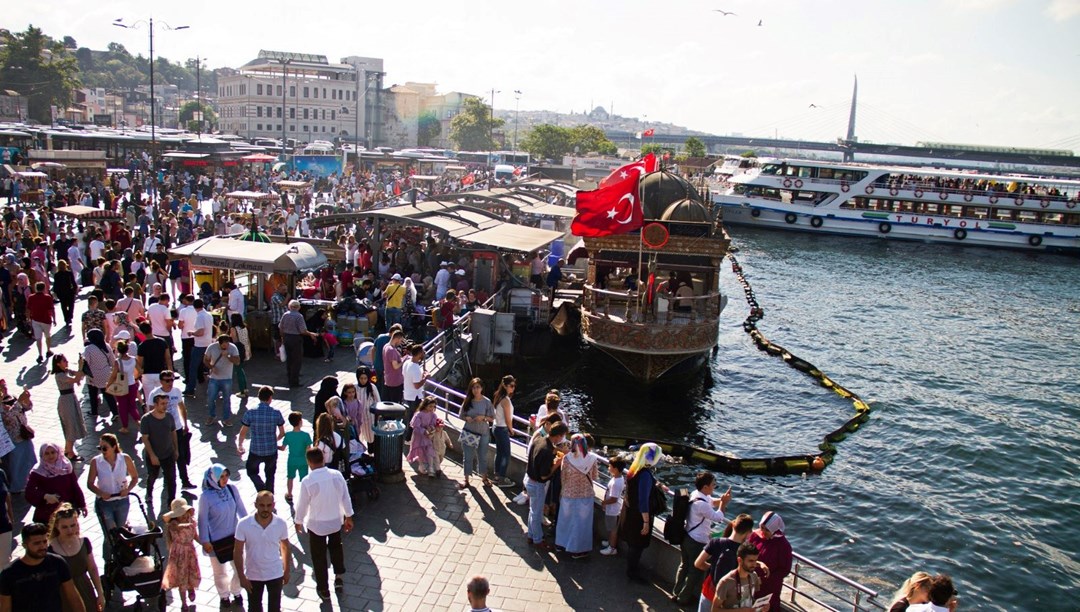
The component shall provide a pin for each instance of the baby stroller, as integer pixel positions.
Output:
(135, 563)
(360, 472)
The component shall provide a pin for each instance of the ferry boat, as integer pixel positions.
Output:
(958, 207)
(666, 324)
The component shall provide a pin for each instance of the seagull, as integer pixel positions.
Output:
(725, 13)
(813, 106)
(759, 23)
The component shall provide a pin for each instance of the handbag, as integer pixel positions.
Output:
(118, 387)
(468, 438)
(25, 432)
(223, 548)
(281, 353)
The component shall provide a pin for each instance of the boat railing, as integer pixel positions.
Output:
(665, 307)
(857, 597)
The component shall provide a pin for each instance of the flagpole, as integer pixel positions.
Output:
(641, 248)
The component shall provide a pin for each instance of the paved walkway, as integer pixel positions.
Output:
(414, 548)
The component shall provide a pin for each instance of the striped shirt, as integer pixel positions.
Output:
(292, 322)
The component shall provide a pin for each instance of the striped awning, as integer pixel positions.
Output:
(87, 212)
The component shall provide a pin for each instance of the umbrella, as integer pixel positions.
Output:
(251, 236)
(259, 158)
(47, 164)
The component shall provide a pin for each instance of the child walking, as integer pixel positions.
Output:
(422, 450)
(297, 441)
(182, 569)
(613, 505)
(441, 441)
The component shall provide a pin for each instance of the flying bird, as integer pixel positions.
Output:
(759, 23)
(725, 13)
(813, 106)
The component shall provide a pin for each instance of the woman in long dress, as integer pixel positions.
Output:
(65, 540)
(360, 410)
(18, 462)
(71, 419)
(574, 531)
(422, 449)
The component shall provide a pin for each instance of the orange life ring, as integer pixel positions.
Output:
(787, 182)
(869, 189)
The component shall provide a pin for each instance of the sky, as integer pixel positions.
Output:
(990, 72)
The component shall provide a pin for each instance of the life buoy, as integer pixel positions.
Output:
(790, 218)
(884, 228)
(960, 234)
(787, 182)
(844, 187)
(943, 195)
(1019, 201)
(869, 189)
(1044, 203)
(918, 193)
(893, 191)
(755, 212)
(816, 221)
(798, 183)
(993, 199)
(1070, 204)
(1034, 240)
(968, 197)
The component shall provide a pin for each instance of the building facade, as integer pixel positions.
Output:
(405, 104)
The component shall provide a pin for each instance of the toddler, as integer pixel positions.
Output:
(613, 505)
(441, 441)
(297, 441)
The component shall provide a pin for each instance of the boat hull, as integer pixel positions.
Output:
(650, 353)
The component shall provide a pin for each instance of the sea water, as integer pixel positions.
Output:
(969, 360)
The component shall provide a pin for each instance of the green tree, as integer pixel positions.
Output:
(547, 141)
(40, 69)
(591, 139)
(187, 116)
(652, 147)
(694, 147)
(428, 128)
(748, 154)
(471, 129)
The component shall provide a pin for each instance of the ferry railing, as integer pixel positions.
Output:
(701, 306)
(863, 600)
(438, 344)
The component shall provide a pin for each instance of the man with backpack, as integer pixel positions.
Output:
(720, 557)
(701, 511)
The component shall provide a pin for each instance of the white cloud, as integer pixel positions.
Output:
(1063, 10)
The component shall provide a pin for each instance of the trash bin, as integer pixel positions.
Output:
(389, 441)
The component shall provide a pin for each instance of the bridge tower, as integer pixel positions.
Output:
(849, 152)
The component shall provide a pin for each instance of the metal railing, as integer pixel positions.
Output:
(863, 600)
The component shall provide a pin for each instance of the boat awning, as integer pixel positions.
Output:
(266, 258)
(179, 155)
(557, 186)
(87, 212)
(260, 158)
(250, 195)
(553, 210)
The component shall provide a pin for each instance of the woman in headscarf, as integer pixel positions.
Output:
(19, 295)
(52, 482)
(408, 305)
(360, 410)
(775, 553)
(637, 513)
(67, 406)
(220, 507)
(574, 531)
(18, 462)
(98, 358)
(327, 389)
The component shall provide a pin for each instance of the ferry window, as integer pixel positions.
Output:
(770, 169)
(825, 173)
(976, 212)
(806, 172)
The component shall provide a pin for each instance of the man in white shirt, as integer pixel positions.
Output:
(151, 244)
(75, 260)
(236, 301)
(185, 320)
(703, 512)
(261, 553)
(97, 247)
(442, 280)
(201, 333)
(291, 220)
(325, 510)
(161, 321)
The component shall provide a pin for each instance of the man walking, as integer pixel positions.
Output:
(261, 554)
(158, 430)
(186, 322)
(178, 409)
(153, 358)
(260, 424)
(293, 329)
(325, 510)
(220, 358)
(39, 580)
(39, 306)
(541, 467)
(393, 362)
(704, 510)
(278, 307)
(161, 320)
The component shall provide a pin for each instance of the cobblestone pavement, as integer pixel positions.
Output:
(414, 548)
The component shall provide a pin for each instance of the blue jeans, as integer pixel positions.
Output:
(393, 315)
(479, 454)
(536, 510)
(269, 463)
(502, 450)
(111, 514)
(213, 388)
(191, 377)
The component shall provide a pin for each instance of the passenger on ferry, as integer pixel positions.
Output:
(684, 295)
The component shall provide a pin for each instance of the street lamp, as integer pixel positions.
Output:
(491, 125)
(284, 89)
(118, 22)
(247, 107)
(517, 113)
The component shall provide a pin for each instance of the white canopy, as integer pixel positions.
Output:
(266, 258)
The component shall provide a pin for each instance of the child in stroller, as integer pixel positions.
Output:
(135, 563)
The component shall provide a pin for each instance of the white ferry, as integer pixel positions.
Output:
(1011, 211)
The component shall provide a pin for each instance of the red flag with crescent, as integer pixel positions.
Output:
(612, 209)
(648, 132)
(642, 166)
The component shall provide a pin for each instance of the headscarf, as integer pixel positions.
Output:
(648, 455)
(410, 289)
(772, 522)
(212, 481)
(580, 457)
(22, 281)
(59, 467)
(96, 337)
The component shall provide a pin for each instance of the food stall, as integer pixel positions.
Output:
(254, 265)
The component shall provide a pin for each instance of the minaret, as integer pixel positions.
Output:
(849, 153)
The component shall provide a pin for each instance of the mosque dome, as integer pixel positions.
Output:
(687, 211)
(661, 189)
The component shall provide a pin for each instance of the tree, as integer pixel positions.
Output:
(69, 43)
(547, 141)
(187, 116)
(657, 149)
(591, 139)
(40, 69)
(748, 154)
(471, 129)
(428, 128)
(694, 147)
(85, 57)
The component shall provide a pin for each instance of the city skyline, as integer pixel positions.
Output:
(989, 72)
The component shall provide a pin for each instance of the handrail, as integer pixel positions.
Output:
(856, 603)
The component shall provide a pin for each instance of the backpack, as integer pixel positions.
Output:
(657, 501)
(675, 528)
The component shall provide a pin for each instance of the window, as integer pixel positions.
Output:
(258, 126)
(270, 112)
(278, 127)
(243, 90)
(316, 93)
(292, 113)
(331, 129)
(292, 91)
(258, 89)
(292, 128)
(279, 113)
(333, 94)
(333, 115)
(305, 92)
(258, 111)
(279, 90)
(305, 128)
(305, 113)
(323, 92)
(324, 114)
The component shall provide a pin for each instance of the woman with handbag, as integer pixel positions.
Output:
(67, 406)
(18, 462)
(220, 507)
(97, 365)
(478, 413)
(124, 386)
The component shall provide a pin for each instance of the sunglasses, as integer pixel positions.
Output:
(104, 448)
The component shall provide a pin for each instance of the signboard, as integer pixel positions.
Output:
(103, 119)
(593, 163)
(222, 263)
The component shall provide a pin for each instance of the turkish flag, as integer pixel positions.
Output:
(613, 209)
(648, 132)
(642, 166)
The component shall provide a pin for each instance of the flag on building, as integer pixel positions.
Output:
(649, 132)
(642, 166)
(612, 209)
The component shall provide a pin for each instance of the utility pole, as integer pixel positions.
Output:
(284, 89)
(491, 125)
(517, 114)
(198, 95)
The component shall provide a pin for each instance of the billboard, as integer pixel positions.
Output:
(317, 165)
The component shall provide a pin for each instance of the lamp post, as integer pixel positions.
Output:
(284, 89)
(118, 22)
(247, 106)
(517, 113)
(491, 125)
